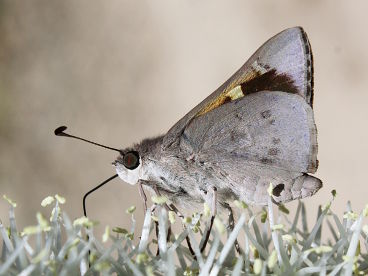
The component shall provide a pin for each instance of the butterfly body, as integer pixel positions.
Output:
(257, 128)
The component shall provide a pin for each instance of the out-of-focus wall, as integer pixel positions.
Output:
(119, 71)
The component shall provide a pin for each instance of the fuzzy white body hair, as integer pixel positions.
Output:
(131, 176)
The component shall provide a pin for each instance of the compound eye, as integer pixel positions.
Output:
(131, 160)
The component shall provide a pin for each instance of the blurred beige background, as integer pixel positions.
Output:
(119, 71)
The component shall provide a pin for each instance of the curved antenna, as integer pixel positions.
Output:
(94, 189)
(60, 132)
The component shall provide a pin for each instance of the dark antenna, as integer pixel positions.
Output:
(84, 205)
(94, 189)
(60, 132)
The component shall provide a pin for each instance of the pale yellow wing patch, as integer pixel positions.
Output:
(233, 91)
(233, 94)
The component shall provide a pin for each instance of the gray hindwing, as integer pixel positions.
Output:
(270, 129)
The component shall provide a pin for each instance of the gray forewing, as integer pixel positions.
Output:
(283, 63)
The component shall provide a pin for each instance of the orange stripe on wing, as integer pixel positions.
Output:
(232, 92)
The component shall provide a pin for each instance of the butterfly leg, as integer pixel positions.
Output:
(207, 234)
(231, 225)
(143, 196)
(180, 215)
(213, 211)
(168, 209)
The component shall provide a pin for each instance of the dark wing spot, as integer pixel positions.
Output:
(266, 161)
(232, 136)
(278, 189)
(271, 81)
(276, 141)
(239, 116)
(266, 114)
(273, 151)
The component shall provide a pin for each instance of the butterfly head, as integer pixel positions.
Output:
(129, 166)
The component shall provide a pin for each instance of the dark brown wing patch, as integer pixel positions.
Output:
(256, 81)
(270, 81)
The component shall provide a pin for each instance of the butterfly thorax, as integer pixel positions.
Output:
(183, 178)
